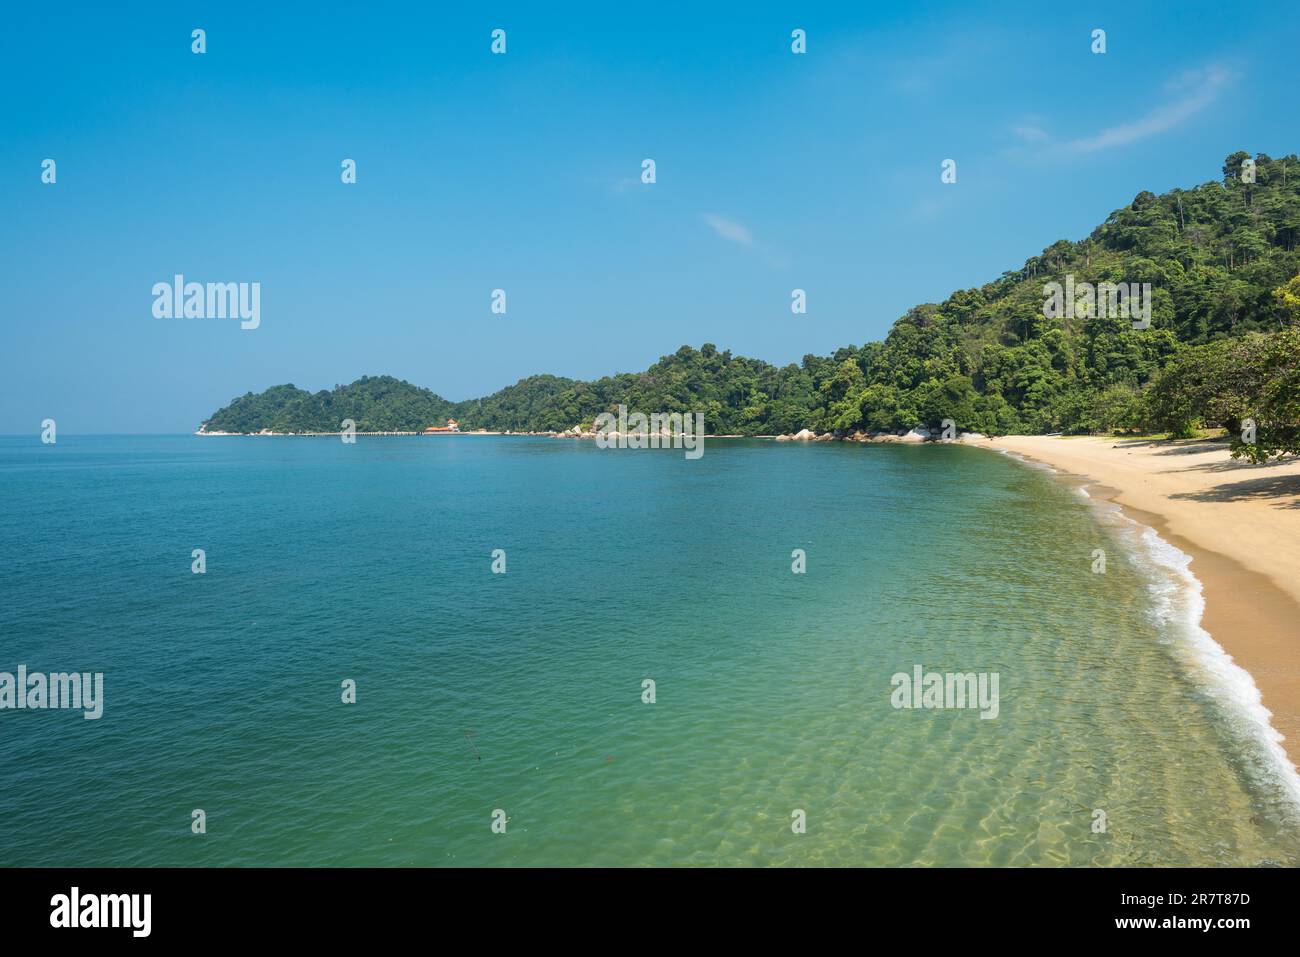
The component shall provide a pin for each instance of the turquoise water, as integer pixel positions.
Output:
(523, 691)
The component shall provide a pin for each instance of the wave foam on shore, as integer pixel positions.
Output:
(1178, 608)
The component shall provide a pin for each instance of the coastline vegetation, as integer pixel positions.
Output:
(1222, 349)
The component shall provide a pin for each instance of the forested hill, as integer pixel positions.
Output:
(374, 403)
(1222, 261)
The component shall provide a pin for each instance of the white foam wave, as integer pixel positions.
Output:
(1178, 604)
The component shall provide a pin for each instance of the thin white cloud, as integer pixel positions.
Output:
(729, 230)
(1200, 88)
(1030, 133)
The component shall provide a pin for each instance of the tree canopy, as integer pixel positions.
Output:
(1222, 261)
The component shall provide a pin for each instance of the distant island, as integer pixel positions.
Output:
(1222, 348)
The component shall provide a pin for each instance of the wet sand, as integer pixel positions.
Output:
(1240, 523)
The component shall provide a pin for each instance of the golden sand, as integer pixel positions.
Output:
(1239, 522)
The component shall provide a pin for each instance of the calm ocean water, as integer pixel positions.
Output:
(478, 691)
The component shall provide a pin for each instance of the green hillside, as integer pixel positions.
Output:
(374, 403)
(1221, 260)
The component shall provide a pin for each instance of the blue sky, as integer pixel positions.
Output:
(774, 171)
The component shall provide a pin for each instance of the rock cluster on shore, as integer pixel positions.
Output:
(918, 434)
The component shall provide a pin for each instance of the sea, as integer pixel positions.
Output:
(523, 651)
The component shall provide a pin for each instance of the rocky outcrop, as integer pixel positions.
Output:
(914, 436)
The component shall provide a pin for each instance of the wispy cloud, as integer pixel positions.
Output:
(1198, 90)
(1190, 93)
(1031, 133)
(930, 208)
(617, 185)
(729, 229)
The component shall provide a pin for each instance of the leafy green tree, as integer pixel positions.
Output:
(1275, 406)
(1288, 299)
(1221, 260)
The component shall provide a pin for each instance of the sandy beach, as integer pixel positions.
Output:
(1239, 522)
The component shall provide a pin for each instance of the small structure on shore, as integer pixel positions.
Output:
(451, 426)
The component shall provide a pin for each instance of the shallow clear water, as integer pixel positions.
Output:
(773, 690)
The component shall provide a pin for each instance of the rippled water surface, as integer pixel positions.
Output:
(523, 691)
